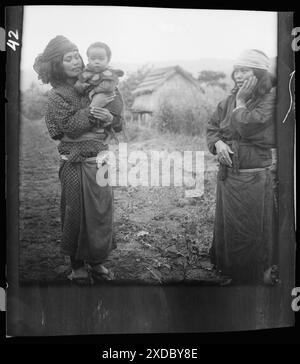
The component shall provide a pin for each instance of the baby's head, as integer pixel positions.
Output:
(99, 55)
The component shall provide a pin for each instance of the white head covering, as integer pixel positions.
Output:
(253, 58)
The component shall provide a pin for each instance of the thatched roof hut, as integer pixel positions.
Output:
(160, 83)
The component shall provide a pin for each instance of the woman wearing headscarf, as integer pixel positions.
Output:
(86, 208)
(241, 133)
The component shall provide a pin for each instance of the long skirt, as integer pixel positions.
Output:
(245, 236)
(86, 212)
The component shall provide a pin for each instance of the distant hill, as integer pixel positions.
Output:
(193, 66)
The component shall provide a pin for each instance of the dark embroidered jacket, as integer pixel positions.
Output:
(251, 128)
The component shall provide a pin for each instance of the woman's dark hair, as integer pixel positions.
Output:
(52, 71)
(266, 81)
(100, 45)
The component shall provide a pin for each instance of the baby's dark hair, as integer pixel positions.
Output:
(100, 45)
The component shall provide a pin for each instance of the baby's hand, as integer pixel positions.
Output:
(100, 100)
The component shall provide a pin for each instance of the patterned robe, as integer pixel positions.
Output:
(67, 115)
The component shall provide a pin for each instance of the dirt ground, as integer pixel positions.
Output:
(162, 236)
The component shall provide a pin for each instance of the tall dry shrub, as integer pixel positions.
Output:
(181, 113)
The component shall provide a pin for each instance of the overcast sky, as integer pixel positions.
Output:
(143, 35)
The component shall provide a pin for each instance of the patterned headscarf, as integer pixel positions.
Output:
(253, 58)
(57, 46)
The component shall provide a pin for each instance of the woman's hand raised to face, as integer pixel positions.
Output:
(223, 150)
(246, 91)
(102, 114)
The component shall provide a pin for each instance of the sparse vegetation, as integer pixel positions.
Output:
(33, 102)
(183, 116)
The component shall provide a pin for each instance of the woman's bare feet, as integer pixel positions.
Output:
(271, 275)
(100, 272)
(226, 281)
(81, 276)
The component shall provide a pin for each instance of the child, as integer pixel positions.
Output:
(99, 78)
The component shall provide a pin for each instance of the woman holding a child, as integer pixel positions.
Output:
(86, 208)
(241, 133)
